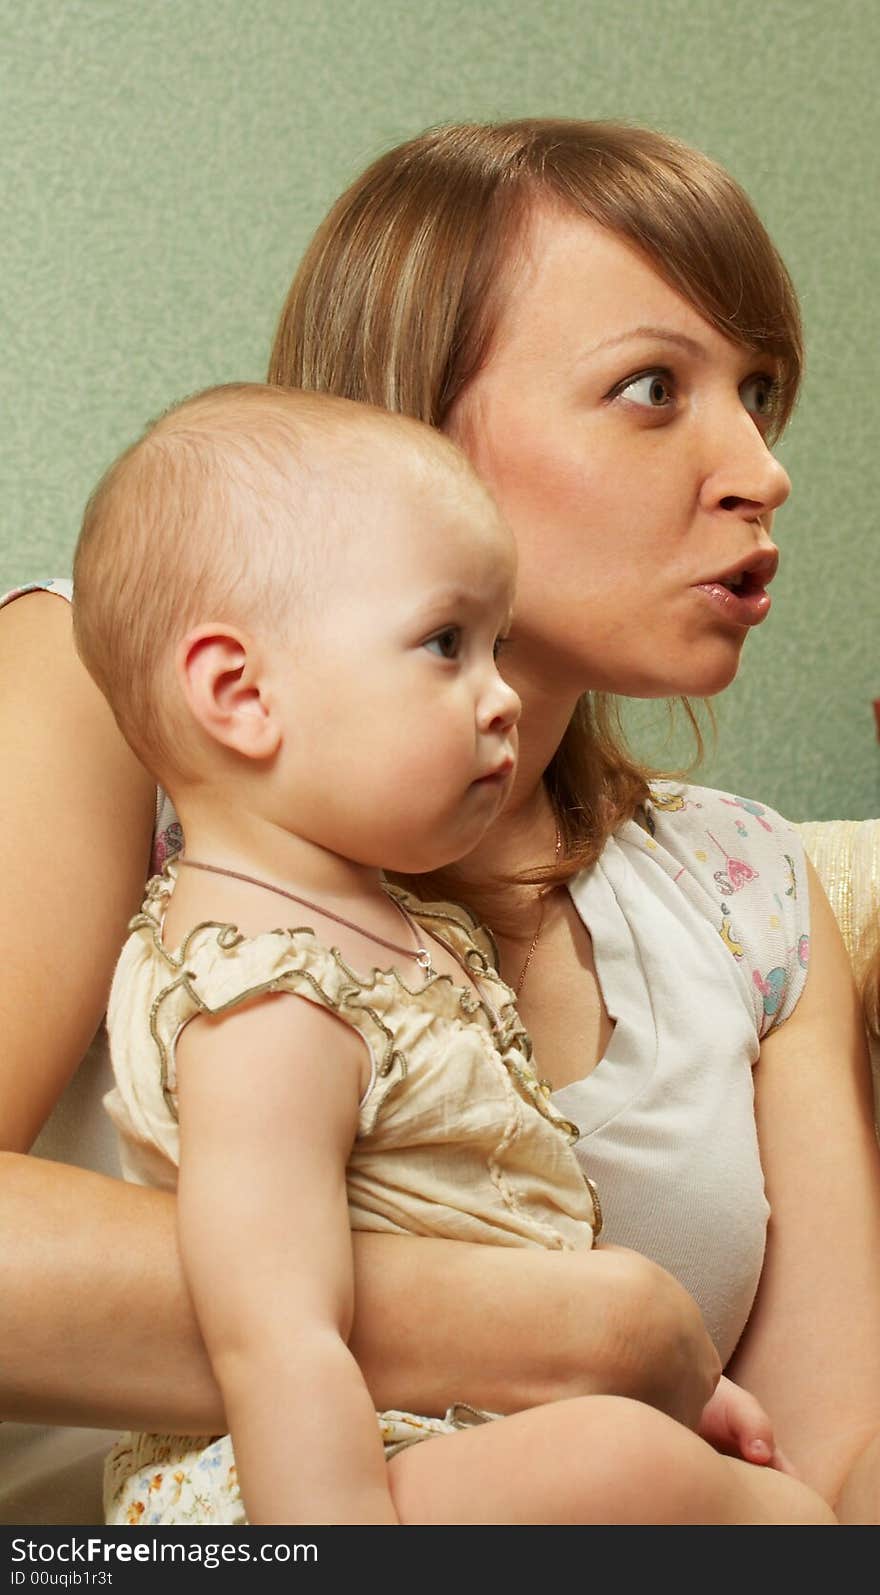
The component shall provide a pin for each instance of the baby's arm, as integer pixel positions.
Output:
(268, 1113)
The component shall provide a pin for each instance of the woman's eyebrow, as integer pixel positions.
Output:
(661, 334)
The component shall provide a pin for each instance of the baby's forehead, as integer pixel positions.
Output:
(312, 480)
(442, 530)
(401, 464)
(434, 487)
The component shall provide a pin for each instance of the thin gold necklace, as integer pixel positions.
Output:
(542, 909)
(421, 954)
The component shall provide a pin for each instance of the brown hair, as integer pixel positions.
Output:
(398, 294)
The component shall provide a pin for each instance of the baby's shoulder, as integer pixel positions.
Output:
(454, 924)
(214, 971)
(214, 967)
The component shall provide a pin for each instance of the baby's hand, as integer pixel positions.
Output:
(734, 1422)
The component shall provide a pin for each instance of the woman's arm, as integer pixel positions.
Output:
(91, 1284)
(86, 1264)
(76, 817)
(811, 1350)
(96, 1324)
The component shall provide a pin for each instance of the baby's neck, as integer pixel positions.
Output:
(262, 879)
(249, 843)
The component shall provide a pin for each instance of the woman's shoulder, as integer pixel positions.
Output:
(33, 622)
(62, 586)
(688, 816)
(726, 841)
(742, 864)
(167, 834)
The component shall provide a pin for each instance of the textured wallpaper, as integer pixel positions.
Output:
(165, 161)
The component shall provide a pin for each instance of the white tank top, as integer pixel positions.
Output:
(700, 938)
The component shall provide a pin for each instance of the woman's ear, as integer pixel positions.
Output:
(221, 673)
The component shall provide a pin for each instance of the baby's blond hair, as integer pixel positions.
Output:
(225, 510)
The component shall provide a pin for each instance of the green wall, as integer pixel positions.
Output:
(164, 164)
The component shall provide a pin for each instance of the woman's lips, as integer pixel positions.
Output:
(747, 606)
(740, 592)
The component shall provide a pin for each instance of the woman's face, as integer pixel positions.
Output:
(625, 441)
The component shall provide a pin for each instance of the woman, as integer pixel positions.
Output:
(597, 316)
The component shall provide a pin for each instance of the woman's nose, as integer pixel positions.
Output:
(746, 478)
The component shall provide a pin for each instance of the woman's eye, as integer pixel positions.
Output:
(759, 395)
(445, 644)
(653, 390)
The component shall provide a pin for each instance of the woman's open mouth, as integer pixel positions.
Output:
(741, 594)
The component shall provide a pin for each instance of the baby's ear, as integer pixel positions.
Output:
(221, 673)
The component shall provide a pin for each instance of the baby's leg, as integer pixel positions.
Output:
(598, 1459)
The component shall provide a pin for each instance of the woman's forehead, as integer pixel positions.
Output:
(570, 276)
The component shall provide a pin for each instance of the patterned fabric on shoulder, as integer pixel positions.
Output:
(743, 863)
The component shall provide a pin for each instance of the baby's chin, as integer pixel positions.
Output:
(436, 860)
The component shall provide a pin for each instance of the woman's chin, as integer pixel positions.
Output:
(692, 683)
(703, 673)
(721, 675)
(692, 667)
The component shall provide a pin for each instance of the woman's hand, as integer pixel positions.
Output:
(734, 1422)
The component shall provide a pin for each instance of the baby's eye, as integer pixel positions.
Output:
(499, 644)
(446, 643)
(760, 394)
(653, 389)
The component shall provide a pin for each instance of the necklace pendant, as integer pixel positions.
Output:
(423, 959)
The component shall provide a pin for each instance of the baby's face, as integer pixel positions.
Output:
(400, 732)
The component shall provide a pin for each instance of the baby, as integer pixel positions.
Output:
(294, 606)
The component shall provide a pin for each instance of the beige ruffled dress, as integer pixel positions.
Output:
(457, 1137)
